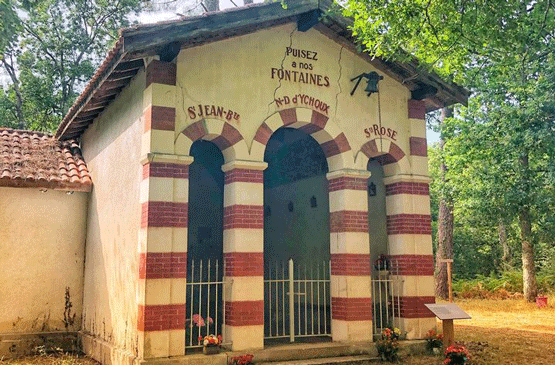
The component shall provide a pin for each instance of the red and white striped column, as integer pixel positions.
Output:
(244, 254)
(410, 246)
(163, 233)
(351, 295)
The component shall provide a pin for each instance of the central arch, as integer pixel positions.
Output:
(297, 228)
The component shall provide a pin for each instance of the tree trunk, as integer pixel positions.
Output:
(10, 69)
(506, 259)
(528, 266)
(444, 226)
(212, 5)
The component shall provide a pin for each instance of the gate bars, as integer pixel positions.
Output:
(205, 301)
(304, 311)
(297, 300)
(386, 302)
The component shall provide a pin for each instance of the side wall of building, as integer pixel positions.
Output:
(42, 244)
(112, 148)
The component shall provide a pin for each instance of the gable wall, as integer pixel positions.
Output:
(236, 74)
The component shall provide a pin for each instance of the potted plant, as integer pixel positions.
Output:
(242, 360)
(388, 344)
(211, 344)
(434, 341)
(456, 355)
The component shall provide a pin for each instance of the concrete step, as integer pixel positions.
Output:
(306, 351)
(341, 360)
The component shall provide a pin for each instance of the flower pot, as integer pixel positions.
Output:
(211, 350)
(541, 302)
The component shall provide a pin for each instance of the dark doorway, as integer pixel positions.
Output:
(296, 227)
(205, 243)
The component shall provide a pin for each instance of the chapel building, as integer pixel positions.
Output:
(247, 173)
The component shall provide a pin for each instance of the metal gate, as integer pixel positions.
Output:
(205, 301)
(386, 302)
(297, 300)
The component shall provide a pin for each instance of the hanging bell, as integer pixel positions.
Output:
(372, 80)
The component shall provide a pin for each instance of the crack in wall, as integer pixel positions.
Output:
(338, 82)
(184, 94)
(281, 67)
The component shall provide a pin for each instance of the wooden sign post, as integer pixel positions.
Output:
(449, 263)
(447, 312)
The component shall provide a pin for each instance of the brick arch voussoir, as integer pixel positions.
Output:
(372, 150)
(227, 138)
(333, 142)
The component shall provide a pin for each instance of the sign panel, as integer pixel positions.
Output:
(447, 311)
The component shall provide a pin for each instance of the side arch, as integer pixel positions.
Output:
(228, 139)
(387, 153)
(334, 143)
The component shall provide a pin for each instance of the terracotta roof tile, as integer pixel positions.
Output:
(35, 159)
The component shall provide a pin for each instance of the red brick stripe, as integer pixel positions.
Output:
(370, 149)
(244, 313)
(418, 265)
(196, 130)
(161, 72)
(351, 309)
(409, 224)
(288, 116)
(310, 128)
(407, 188)
(244, 216)
(244, 263)
(385, 159)
(319, 119)
(418, 146)
(396, 152)
(161, 317)
(413, 307)
(349, 221)
(350, 264)
(162, 265)
(336, 146)
(159, 118)
(244, 175)
(164, 214)
(263, 134)
(347, 183)
(158, 169)
(417, 109)
(228, 138)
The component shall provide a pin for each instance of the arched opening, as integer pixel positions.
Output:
(385, 300)
(205, 242)
(377, 222)
(296, 227)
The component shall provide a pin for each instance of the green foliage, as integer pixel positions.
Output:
(500, 286)
(499, 151)
(52, 53)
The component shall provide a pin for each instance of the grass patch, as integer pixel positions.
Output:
(504, 332)
(53, 359)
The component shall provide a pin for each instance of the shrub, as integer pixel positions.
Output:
(508, 285)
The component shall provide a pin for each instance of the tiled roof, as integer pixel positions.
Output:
(35, 159)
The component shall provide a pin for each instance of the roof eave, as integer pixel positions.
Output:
(141, 41)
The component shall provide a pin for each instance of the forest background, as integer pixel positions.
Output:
(493, 169)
